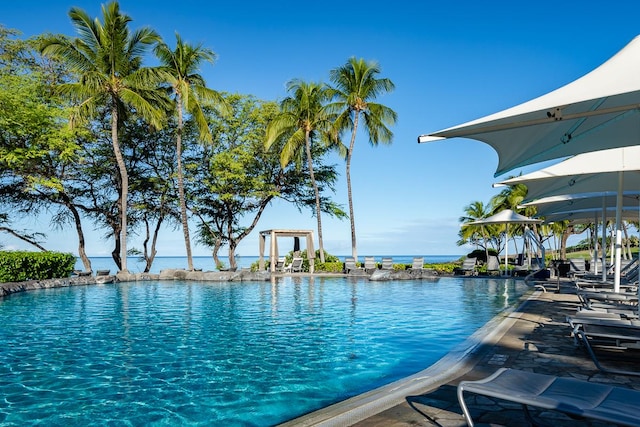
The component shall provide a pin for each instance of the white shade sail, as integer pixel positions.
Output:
(629, 213)
(581, 203)
(594, 112)
(592, 172)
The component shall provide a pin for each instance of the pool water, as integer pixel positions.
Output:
(233, 354)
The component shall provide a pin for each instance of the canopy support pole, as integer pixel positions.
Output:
(595, 243)
(603, 255)
(616, 280)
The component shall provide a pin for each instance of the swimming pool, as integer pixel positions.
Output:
(233, 354)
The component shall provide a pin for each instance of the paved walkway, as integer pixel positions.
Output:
(539, 341)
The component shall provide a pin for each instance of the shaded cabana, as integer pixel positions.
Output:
(273, 246)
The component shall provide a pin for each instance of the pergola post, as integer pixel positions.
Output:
(273, 246)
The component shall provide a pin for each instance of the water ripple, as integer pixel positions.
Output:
(172, 353)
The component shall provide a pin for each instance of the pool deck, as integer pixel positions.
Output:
(534, 337)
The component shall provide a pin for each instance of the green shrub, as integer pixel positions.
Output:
(330, 267)
(481, 255)
(18, 266)
(443, 268)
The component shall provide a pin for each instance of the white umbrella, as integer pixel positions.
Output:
(594, 112)
(506, 217)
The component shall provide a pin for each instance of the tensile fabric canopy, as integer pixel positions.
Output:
(594, 112)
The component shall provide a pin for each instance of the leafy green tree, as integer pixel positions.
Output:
(30, 238)
(150, 156)
(107, 59)
(510, 198)
(241, 178)
(356, 87)
(37, 150)
(305, 121)
(189, 91)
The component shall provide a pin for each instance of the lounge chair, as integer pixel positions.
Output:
(577, 267)
(370, 264)
(387, 263)
(350, 265)
(576, 398)
(281, 264)
(468, 267)
(493, 265)
(628, 278)
(296, 265)
(418, 264)
(617, 334)
(628, 283)
(593, 298)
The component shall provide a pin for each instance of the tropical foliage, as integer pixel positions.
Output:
(106, 59)
(304, 121)
(94, 136)
(189, 91)
(356, 86)
(491, 236)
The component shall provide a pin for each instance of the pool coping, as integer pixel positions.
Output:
(459, 361)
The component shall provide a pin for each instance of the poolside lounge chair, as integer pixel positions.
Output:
(617, 334)
(387, 263)
(370, 264)
(281, 264)
(296, 265)
(493, 265)
(468, 267)
(628, 278)
(570, 396)
(577, 267)
(350, 265)
(418, 264)
(591, 298)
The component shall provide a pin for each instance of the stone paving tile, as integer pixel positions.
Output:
(539, 341)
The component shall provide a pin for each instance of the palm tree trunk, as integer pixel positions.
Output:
(317, 193)
(124, 182)
(86, 262)
(183, 203)
(354, 250)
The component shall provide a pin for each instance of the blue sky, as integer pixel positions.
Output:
(450, 61)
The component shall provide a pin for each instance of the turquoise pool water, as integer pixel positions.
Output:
(232, 354)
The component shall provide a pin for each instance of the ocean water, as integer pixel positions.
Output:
(135, 265)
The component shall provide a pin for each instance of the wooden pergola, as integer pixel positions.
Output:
(273, 246)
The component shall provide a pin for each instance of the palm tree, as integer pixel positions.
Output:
(189, 91)
(304, 118)
(510, 198)
(107, 58)
(473, 212)
(356, 87)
